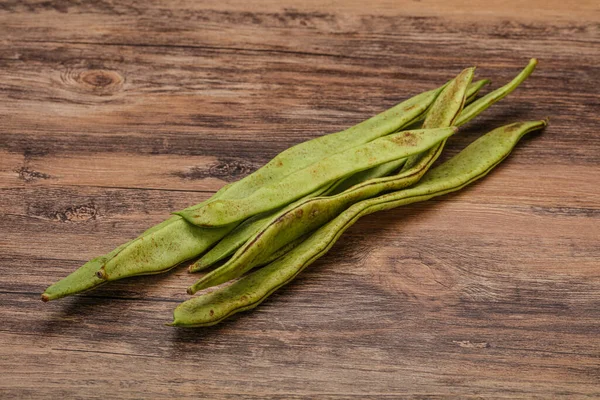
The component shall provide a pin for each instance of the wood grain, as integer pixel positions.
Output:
(113, 114)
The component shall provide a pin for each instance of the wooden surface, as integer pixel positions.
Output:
(114, 113)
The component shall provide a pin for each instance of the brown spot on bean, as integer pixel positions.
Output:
(211, 312)
(407, 139)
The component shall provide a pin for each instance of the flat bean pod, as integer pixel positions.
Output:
(145, 257)
(471, 164)
(306, 153)
(388, 168)
(310, 214)
(392, 147)
(86, 277)
(179, 241)
(240, 235)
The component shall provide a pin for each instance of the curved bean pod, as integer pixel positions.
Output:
(240, 235)
(93, 273)
(296, 221)
(388, 168)
(488, 100)
(392, 147)
(306, 153)
(471, 164)
(86, 277)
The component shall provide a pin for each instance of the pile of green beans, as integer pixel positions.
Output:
(290, 212)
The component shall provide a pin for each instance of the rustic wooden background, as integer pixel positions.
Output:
(114, 113)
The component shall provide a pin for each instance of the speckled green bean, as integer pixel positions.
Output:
(191, 238)
(306, 153)
(180, 242)
(240, 235)
(471, 164)
(246, 260)
(327, 170)
(488, 100)
(388, 168)
(296, 221)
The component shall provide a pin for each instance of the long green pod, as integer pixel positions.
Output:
(296, 221)
(81, 280)
(85, 278)
(476, 108)
(179, 241)
(327, 170)
(306, 153)
(388, 168)
(240, 235)
(471, 164)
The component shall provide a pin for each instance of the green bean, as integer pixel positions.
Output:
(86, 277)
(224, 212)
(306, 153)
(387, 168)
(179, 241)
(240, 235)
(486, 101)
(471, 164)
(246, 260)
(296, 221)
(82, 279)
(140, 256)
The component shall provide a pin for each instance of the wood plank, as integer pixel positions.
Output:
(113, 114)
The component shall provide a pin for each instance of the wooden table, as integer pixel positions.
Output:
(114, 113)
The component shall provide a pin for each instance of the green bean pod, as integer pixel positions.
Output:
(153, 251)
(86, 277)
(240, 235)
(166, 248)
(306, 153)
(471, 164)
(296, 221)
(387, 168)
(337, 166)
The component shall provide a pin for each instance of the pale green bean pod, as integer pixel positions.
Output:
(310, 214)
(237, 238)
(240, 235)
(474, 162)
(173, 241)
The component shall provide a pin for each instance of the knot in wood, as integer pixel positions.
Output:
(100, 82)
(230, 169)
